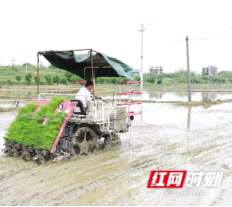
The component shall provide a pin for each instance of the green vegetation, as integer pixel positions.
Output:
(28, 78)
(63, 81)
(26, 128)
(159, 81)
(49, 79)
(75, 78)
(15, 75)
(180, 77)
(56, 79)
(18, 77)
(68, 75)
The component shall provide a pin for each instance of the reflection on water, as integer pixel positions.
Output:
(166, 115)
(153, 113)
(181, 117)
(182, 96)
(211, 96)
(177, 96)
(156, 96)
(189, 118)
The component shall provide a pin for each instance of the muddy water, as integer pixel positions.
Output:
(180, 117)
(119, 176)
(160, 114)
(11, 103)
(178, 96)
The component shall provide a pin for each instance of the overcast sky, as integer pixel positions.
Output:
(112, 27)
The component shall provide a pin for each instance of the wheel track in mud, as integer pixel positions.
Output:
(103, 181)
(99, 157)
(122, 174)
(89, 187)
(168, 167)
(112, 178)
(133, 191)
(136, 190)
(203, 151)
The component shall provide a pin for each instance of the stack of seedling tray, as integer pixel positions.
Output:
(117, 118)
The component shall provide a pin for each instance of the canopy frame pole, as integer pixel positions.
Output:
(69, 50)
(93, 78)
(120, 88)
(38, 75)
(84, 77)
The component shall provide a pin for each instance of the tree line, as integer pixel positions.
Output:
(63, 77)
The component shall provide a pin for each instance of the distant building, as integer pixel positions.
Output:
(158, 69)
(136, 71)
(210, 70)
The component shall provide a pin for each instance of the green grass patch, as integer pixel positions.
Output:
(27, 130)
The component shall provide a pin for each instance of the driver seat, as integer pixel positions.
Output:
(79, 109)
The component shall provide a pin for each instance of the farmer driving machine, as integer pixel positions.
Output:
(56, 129)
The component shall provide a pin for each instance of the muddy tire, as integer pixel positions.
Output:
(41, 159)
(116, 141)
(107, 141)
(26, 156)
(15, 152)
(96, 129)
(84, 141)
(8, 151)
(9, 148)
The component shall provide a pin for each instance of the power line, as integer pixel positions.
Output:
(177, 40)
(202, 37)
(213, 35)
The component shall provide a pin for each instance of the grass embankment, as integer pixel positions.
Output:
(8, 109)
(10, 72)
(146, 87)
(27, 130)
(205, 102)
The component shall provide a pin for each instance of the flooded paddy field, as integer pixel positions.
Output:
(9, 94)
(165, 137)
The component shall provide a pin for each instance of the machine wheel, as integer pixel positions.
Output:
(10, 151)
(96, 129)
(116, 141)
(15, 152)
(26, 155)
(107, 141)
(9, 148)
(41, 159)
(84, 140)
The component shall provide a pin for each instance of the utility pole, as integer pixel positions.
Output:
(189, 86)
(26, 64)
(146, 74)
(141, 71)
